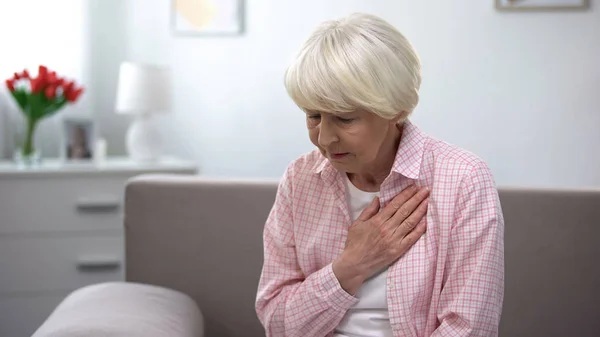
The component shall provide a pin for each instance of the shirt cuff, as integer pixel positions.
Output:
(333, 291)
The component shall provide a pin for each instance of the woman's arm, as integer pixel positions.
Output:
(473, 289)
(289, 303)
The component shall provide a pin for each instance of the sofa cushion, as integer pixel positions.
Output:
(124, 309)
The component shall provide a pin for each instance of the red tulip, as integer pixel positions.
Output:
(25, 74)
(37, 85)
(10, 84)
(50, 92)
(67, 86)
(43, 72)
(17, 76)
(51, 78)
(73, 95)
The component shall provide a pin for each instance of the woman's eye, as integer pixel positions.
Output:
(345, 120)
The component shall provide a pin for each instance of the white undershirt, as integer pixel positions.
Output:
(369, 316)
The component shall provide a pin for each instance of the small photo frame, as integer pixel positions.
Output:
(207, 17)
(541, 5)
(78, 139)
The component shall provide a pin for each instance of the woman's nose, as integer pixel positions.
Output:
(327, 134)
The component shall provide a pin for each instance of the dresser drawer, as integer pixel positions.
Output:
(61, 203)
(22, 316)
(52, 262)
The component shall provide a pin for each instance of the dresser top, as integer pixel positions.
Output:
(110, 165)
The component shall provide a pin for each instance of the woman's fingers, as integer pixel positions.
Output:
(406, 226)
(406, 210)
(396, 204)
(411, 238)
(370, 210)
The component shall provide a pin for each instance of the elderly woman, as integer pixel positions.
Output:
(382, 230)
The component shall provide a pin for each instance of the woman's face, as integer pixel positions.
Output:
(352, 142)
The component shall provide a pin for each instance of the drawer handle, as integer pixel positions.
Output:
(98, 263)
(98, 205)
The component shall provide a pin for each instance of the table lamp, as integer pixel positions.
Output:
(143, 91)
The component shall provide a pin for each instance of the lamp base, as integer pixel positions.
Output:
(143, 139)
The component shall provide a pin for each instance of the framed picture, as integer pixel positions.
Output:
(207, 17)
(541, 5)
(78, 139)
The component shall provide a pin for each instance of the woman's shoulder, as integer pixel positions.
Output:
(305, 168)
(307, 163)
(444, 158)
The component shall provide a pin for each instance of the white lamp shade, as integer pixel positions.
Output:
(143, 89)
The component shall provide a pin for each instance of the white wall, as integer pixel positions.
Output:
(520, 90)
(108, 47)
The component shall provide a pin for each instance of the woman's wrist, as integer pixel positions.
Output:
(348, 275)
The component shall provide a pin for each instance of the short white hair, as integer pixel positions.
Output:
(358, 62)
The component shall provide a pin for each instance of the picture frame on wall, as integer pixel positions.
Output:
(78, 136)
(541, 5)
(207, 17)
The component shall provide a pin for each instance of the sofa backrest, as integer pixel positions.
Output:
(552, 262)
(203, 237)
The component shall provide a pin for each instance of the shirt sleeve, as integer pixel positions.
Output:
(289, 303)
(473, 283)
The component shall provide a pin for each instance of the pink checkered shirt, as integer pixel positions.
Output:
(450, 283)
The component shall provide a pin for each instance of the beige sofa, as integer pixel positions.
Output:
(202, 238)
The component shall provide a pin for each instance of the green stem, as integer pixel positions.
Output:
(28, 148)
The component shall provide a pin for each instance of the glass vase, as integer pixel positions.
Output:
(26, 154)
(24, 160)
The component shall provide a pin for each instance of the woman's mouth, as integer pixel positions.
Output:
(338, 156)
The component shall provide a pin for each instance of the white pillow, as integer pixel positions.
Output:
(124, 309)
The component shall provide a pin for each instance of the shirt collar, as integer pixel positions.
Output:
(408, 156)
(410, 151)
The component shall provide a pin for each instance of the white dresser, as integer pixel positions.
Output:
(61, 229)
